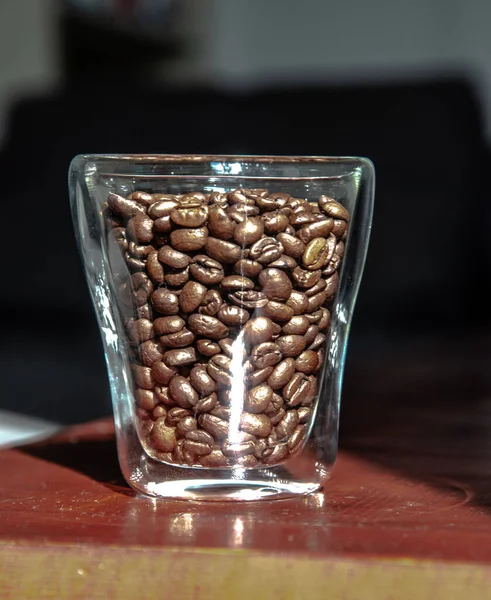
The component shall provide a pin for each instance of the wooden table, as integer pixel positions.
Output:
(407, 514)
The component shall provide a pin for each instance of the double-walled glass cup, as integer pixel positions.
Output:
(224, 288)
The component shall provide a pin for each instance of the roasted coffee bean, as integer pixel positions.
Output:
(188, 240)
(173, 258)
(215, 426)
(134, 264)
(179, 358)
(318, 252)
(239, 196)
(241, 212)
(165, 302)
(208, 348)
(144, 312)
(140, 250)
(260, 447)
(297, 390)
(258, 330)
(248, 267)
(320, 286)
(178, 454)
(332, 285)
(249, 231)
(311, 334)
(162, 393)
(163, 206)
(265, 250)
(146, 399)
(258, 399)
(291, 345)
(191, 296)
(258, 425)
(174, 415)
(237, 450)
(298, 301)
(166, 325)
(154, 268)
(140, 229)
(143, 377)
(304, 278)
(232, 315)
(162, 373)
(140, 330)
(222, 412)
(332, 208)
(259, 376)
(162, 226)
(229, 347)
(284, 262)
(287, 425)
(275, 284)
(275, 222)
(301, 217)
(304, 414)
(206, 270)
(266, 354)
(211, 303)
(177, 277)
(189, 215)
(277, 311)
(297, 325)
(201, 380)
(150, 352)
(316, 301)
(296, 439)
(159, 412)
(123, 207)
(186, 425)
(206, 404)
(223, 251)
(307, 361)
(277, 416)
(282, 373)
(207, 326)
(217, 198)
(276, 331)
(318, 342)
(249, 299)
(216, 458)
(142, 198)
(339, 228)
(180, 339)
(182, 392)
(219, 369)
(163, 437)
(196, 448)
(279, 454)
(118, 237)
(325, 320)
(198, 435)
(220, 225)
(319, 229)
(234, 283)
(142, 288)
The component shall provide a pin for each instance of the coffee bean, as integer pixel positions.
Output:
(332, 285)
(242, 212)
(259, 376)
(140, 229)
(144, 312)
(140, 250)
(258, 398)
(162, 207)
(142, 198)
(257, 330)
(318, 229)
(220, 225)
(304, 414)
(162, 394)
(305, 279)
(177, 413)
(154, 268)
(238, 450)
(181, 357)
(197, 448)
(229, 347)
(222, 412)
(266, 250)
(206, 404)
(214, 459)
(325, 320)
(208, 348)
(232, 315)
(318, 252)
(222, 251)
(124, 208)
(219, 369)
(177, 277)
(277, 311)
(320, 286)
(142, 288)
(201, 380)
(163, 437)
(333, 209)
(248, 267)
(275, 284)
(188, 240)
(297, 325)
(266, 354)
(180, 339)
(298, 301)
(236, 283)
(275, 222)
(189, 216)
(165, 302)
(296, 439)
(117, 236)
(315, 302)
(162, 373)
(282, 373)
(318, 342)
(258, 425)
(143, 377)
(150, 352)
(198, 435)
(162, 226)
(191, 296)
(249, 299)
(186, 425)
(206, 270)
(159, 412)
(140, 330)
(217, 198)
(146, 399)
(211, 303)
(297, 390)
(311, 334)
(165, 325)
(279, 454)
(292, 245)
(287, 425)
(216, 427)
(284, 262)
(207, 326)
(249, 231)
(307, 361)
(182, 392)
(291, 345)
(339, 229)
(173, 258)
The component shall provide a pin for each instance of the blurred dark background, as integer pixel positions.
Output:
(405, 84)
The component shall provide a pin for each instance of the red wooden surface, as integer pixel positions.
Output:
(407, 510)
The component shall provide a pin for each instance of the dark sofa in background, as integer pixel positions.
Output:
(428, 252)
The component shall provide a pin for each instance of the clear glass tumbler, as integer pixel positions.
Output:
(224, 288)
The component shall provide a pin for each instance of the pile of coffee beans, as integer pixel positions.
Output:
(230, 296)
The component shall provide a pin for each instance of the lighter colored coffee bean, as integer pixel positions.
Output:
(189, 240)
(207, 326)
(282, 373)
(258, 399)
(296, 438)
(318, 252)
(163, 437)
(201, 381)
(191, 296)
(291, 345)
(146, 399)
(275, 284)
(287, 425)
(179, 358)
(258, 425)
(215, 426)
(206, 404)
(182, 392)
(166, 325)
(143, 377)
(307, 362)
